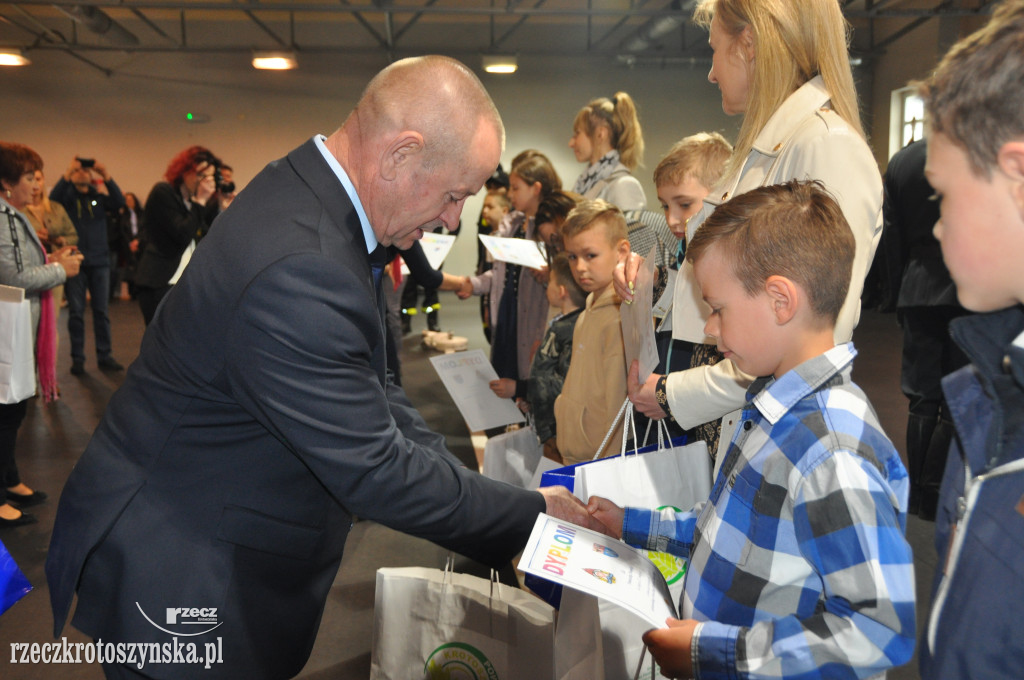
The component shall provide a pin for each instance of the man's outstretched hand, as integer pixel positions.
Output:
(563, 505)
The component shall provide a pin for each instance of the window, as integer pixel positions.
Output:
(906, 123)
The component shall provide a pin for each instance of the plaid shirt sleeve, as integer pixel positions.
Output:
(848, 530)
(664, 531)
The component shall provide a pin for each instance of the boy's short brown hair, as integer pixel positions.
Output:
(975, 97)
(561, 270)
(702, 156)
(588, 213)
(795, 230)
(501, 197)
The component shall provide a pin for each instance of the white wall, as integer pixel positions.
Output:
(134, 120)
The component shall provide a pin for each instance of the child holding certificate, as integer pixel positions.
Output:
(798, 563)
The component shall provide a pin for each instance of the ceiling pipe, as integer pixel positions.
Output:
(100, 23)
(658, 27)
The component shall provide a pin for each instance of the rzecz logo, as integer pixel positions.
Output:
(190, 621)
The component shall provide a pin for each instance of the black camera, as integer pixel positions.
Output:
(87, 162)
(222, 186)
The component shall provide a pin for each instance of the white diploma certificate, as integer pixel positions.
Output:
(585, 560)
(519, 251)
(466, 376)
(436, 247)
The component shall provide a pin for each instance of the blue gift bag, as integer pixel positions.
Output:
(13, 584)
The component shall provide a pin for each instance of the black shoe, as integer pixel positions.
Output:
(26, 500)
(432, 324)
(110, 364)
(77, 368)
(21, 520)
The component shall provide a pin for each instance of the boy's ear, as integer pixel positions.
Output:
(403, 147)
(1011, 161)
(784, 297)
(622, 250)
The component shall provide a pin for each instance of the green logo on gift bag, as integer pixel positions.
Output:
(671, 567)
(458, 661)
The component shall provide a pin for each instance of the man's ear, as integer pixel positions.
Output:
(403, 147)
(1011, 162)
(784, 297)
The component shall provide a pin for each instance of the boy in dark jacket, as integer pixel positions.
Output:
(551, 362)
(974, 103)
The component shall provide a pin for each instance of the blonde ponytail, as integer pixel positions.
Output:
(619, 115)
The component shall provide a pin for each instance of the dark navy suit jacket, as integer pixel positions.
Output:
(256, 421)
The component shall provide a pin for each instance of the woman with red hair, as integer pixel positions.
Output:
(175, 220)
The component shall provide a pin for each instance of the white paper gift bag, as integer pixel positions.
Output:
(513, 456)
(578, 651)
(436, 624)
(677, 476)
(671, 476)
(17, 366)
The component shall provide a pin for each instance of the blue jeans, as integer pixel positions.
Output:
(98, 281)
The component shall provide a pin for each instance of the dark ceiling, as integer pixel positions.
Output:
(634, 32)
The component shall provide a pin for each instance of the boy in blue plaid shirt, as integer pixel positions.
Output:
(798, 563)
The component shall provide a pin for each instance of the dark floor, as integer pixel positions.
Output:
(54, 435)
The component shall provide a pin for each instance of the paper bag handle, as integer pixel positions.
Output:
(640, 664)
(611, 430)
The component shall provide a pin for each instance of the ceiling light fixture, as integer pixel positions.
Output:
(500, 63)
(12, 57)
(274, 61)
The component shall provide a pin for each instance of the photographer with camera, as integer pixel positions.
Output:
(88, 193)
(225, 179)
(175, 219)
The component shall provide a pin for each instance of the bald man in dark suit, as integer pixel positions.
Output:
(220, 486)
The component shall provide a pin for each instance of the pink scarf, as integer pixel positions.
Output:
(46, 345)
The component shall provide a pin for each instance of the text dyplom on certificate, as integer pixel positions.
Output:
(519, 251)
(467, 377)
(579, 558)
